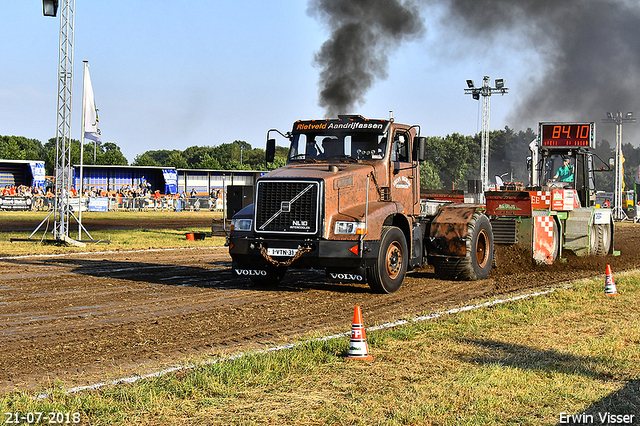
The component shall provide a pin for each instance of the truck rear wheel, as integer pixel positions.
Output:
(476, 265)
(389, 270)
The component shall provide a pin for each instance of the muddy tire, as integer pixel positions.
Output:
(387, 274)
(476, 265)
(604, 239)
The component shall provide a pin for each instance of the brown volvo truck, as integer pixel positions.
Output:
(348, 202)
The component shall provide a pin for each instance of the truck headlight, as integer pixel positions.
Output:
(350, 228)
(241, 225)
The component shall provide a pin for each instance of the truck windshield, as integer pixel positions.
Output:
(559, 171)
(315, 147)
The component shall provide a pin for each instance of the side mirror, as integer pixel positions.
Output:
(612, 163)
(529, 163)
(270, 152)
(419, 148)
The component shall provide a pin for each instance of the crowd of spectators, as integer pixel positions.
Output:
(137, 197)
(24, 191)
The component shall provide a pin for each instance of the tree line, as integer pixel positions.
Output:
(454, 159)
(451, 160)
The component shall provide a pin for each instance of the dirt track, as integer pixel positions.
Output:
(85, 318)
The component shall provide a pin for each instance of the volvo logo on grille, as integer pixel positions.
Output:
(285, 206)
(251, 272)
(350, 277)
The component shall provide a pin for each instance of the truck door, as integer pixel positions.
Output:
(402, 178)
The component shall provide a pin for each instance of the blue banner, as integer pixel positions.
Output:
(170, 181)
(37, 171)
(98, 204)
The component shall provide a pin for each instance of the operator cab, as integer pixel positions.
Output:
(559, 170)
(562, 158)
(321, 147)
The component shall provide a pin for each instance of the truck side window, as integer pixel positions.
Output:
(400, 148)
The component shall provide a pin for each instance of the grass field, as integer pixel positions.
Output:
(131, 239)
(537, 361)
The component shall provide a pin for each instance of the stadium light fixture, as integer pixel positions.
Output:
(49, 7)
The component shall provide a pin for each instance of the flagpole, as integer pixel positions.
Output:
(84, 88)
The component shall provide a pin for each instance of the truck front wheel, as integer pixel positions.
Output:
(388, 272)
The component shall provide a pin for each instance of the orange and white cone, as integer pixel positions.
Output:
(609, 285)
(358, 348)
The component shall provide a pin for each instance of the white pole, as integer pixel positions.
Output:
(84, 79)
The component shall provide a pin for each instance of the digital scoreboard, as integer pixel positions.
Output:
(567, 135)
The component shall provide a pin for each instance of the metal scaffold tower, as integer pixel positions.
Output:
(618, 119)
(485, 91)
(63, 172)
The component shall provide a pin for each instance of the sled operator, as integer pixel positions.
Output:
(565, 172)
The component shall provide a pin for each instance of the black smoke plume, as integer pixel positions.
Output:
(590, 53)
(356, 54)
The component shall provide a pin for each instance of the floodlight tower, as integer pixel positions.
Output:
(485, 91)
(63, 170)
(618, 211)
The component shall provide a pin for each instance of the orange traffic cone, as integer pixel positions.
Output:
(609, 285)
(358, 348)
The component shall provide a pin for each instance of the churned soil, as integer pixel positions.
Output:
(86, 318)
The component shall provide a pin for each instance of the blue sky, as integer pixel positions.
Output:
(168, 76)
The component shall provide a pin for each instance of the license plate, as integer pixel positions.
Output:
(282, 252)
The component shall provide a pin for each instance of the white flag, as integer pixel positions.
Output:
(91, 122)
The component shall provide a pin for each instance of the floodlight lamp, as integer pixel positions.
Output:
(470, 84)
(49, 7)
(630, 114)
(476, 95)
(609, 115)
(499, 83)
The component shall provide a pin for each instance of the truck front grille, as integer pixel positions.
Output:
(287, 206)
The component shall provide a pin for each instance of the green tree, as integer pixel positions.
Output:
(508, 152)
(195, 155)
(162, 156)
(145, 160)
(455, 158)
(20, 148)
(50, 154)
(208, 162)
(176, 160)
(429, 177)
(9, 148)
(111, 155)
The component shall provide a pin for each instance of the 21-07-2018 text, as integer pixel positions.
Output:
(41, 418)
